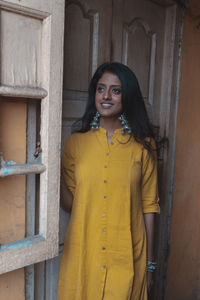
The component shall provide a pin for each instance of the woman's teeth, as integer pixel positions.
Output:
(106, 105)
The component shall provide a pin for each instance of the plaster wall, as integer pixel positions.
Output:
(183, 278)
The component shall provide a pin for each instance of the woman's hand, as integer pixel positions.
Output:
(149, 224)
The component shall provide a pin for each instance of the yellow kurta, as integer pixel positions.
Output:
(104, 255)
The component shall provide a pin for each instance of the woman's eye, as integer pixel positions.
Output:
(100, 89)
(116, 91)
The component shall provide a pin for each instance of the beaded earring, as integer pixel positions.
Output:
(95, 122)
(125, 125)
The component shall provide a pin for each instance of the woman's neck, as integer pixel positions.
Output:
(110, 125)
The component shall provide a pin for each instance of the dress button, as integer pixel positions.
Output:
(104, 266)
(105, 197)
(104, 214)
(103, 231)
(103, 248)
(112, 143)
(105, 181)
(107, 153)
(105, 166)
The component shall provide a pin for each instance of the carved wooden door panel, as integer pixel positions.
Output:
(142, 37)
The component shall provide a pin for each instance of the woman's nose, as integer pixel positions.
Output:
(107, 95)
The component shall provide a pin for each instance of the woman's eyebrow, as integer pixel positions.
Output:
(113, 85)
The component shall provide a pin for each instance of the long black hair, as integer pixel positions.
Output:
(132, 103)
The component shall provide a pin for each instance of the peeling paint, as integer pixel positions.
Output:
(17, 245)
(6, 171)
(22, 243)
(10, 162)
(21, 169)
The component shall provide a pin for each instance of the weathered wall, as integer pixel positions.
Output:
(183, 280)
(12, 191)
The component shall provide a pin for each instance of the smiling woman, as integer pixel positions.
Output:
(108, 100)
(109, 97)
(109, 182)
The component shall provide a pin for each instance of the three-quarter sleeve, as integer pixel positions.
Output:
(68, 164)
(149, 184)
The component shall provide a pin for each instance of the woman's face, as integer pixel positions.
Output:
(108, 98)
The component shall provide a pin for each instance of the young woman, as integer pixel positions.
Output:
(109, 183)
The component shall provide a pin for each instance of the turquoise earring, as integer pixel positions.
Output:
(95, 122)
(125, 125)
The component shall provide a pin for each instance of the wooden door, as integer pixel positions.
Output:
(142, 34)
(31, 65)
(146, 36)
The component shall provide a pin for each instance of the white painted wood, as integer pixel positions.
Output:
(31, 8)
(22, 249)
(25, 250)
(35, 28)
(30, 182)
(30, 193)
(21, 67)
(16, 169)
(22, 92)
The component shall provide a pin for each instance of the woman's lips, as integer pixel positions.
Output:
(106, 105)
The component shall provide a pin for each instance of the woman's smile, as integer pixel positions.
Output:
(106, 105)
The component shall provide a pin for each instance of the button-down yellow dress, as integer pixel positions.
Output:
(104, 254)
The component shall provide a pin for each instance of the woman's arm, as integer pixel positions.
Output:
(149, 224)
(66, 197)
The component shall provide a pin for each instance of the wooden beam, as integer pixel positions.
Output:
(22, 169)
(23, 92)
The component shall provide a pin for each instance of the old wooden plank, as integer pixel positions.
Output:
(23, 92)
(30, 192)
(21, 169)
